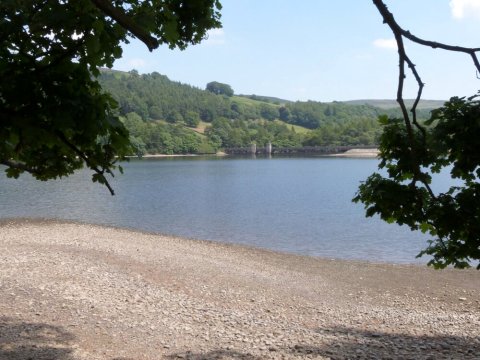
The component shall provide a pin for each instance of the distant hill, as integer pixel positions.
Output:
(377, 103)
(391, 104)
(156, 97)
(165, 116)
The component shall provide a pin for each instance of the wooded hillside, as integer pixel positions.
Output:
(165, 116)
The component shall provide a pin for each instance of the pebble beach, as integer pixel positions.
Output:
(73, 291)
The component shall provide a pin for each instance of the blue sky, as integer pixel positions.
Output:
(322, 50)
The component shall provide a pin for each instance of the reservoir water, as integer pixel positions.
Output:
(297, 205)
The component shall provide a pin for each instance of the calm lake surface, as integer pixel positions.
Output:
(297, 205)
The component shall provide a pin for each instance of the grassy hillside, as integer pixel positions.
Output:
(296, 128)
(267, 99)
(247, 101)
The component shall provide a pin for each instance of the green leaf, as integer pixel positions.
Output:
(383, 120)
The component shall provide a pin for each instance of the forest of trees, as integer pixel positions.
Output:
(168, 117)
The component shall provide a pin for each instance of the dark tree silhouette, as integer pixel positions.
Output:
(54, 116)
(412, 152)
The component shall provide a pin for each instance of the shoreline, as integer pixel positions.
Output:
(358, 153)
(55, 221)
(353, 153)
(105, 293)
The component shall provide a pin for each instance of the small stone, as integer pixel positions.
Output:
(462, 298)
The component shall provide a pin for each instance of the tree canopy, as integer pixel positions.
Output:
(54, 115)
(156, 99)
(412, 153)
(219, 88)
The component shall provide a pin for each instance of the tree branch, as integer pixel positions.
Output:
(420, 83)
(19, 165)
(437, 45)
(127, 23)
(65, 55)
(82, 155)
(397, 29)
(401, 81)
(399, 34)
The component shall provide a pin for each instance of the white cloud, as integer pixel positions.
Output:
(465, 8)
(215, 37)
(136, 63)
(390, 44)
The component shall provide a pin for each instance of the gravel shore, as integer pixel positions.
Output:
(358, 153)
(73, 291)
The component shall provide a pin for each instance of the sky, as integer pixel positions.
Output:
(323, 50)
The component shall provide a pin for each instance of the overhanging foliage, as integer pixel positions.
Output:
(411, 152)
(54, 116)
